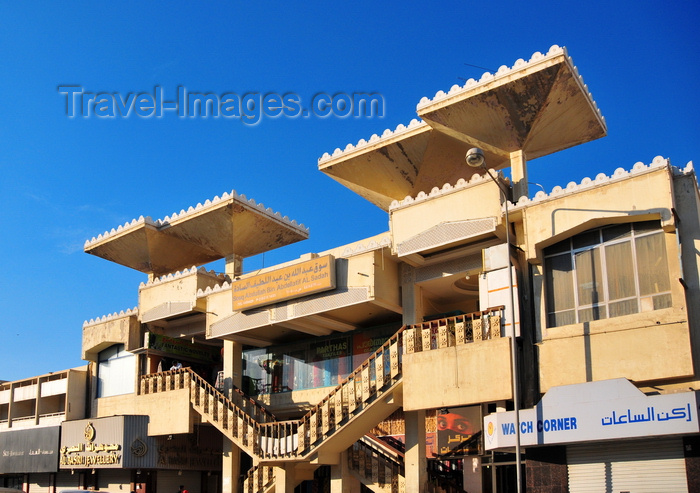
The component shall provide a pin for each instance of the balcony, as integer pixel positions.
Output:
(176, 294)
(457, 361)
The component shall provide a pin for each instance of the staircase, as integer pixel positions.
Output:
(369, 394)
(372, 390)
(377, 465)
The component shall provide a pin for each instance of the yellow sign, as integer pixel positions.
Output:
(312, 276)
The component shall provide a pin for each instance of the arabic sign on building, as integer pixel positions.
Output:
(458, 429)
(31, 450)
(602, 410)
(197, 451)
(113, 442)
(305, 278)
(182, 347)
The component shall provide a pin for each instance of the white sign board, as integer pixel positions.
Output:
(602, 410)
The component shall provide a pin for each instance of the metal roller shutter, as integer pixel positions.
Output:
(650, 466)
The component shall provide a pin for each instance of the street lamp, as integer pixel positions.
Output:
(475, 159)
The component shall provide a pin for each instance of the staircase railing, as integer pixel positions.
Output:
(378, 464)
(253, 428)
(357, 391)
(454, 331)
(258, 478)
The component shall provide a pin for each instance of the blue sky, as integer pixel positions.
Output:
(64, 180)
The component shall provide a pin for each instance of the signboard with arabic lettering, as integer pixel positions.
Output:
(302, 279)
(458, 431)
(30, 450)
(110, 442)
(605, 410)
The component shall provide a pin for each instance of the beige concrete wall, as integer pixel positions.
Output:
(76, 393)
(119, 330)
(181, 287)
(687, 206)
(475, 201)
(457, 376)
(645, 353)
(169, 412)
(639, 198)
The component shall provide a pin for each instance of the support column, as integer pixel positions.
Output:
(518, 173)
(411, 296)
(285, 479)
(342, 481)
(234, 265)
(231, 464)
(415, 462)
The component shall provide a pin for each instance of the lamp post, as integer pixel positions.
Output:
(475, 159)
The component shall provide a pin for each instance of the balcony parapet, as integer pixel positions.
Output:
(178, 293)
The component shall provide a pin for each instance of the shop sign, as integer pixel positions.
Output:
(457, 430)
(191, 452)
(329, 349)
(302, 279)
(605, 410)
(89, 453)
(110, 442)
(29, 451)
(182, 348)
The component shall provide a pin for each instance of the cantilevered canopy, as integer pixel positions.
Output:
(229, 225)
(398, 164)
(539, 107)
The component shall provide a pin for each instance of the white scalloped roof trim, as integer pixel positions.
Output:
(225, 286)
(198, 208)
(600, 179)
(505, 71)
(437, 192)
(362, 143)
(184, 273)
(356, 249)
(113, 316)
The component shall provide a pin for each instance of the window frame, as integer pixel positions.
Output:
(567, 249)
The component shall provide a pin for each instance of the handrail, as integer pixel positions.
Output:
(258, 431)
(175, 380)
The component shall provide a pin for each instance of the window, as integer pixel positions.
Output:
(115, 372)
(607, 272)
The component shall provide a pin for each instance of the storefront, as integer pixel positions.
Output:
(116, 453)
(606, 434)
(30, 457)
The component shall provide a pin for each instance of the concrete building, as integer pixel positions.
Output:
(399, 362)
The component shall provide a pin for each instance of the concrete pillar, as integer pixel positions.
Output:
(234, 265)
(518, 173)
(342, 480)
(285, 479)
(231, 464)
(415, 462)
(411, 296)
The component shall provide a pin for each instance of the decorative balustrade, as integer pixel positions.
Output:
(255, 429)
(454, 331)
(258, 479)
(378, 463)
(362, 387)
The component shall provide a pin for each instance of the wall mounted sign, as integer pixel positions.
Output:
(31, 450)
(110, 442)
(302, 279)
(605, 410)
(182, 348)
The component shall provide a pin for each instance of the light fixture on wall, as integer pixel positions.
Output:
(475, 158)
